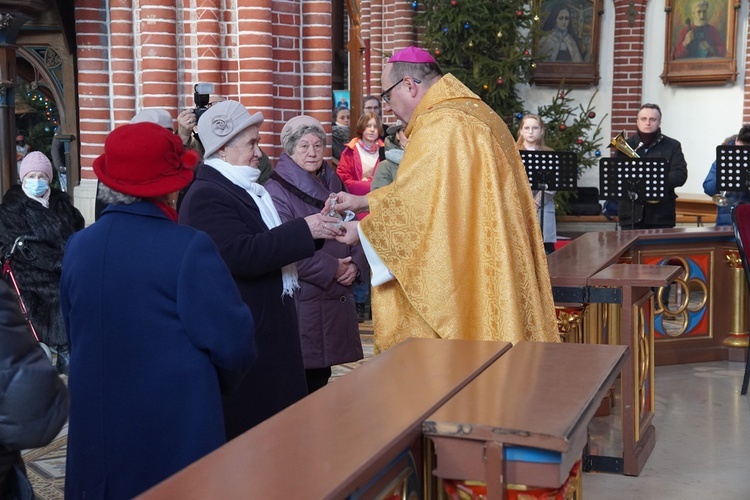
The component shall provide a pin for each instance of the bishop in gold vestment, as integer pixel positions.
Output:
(458, 227)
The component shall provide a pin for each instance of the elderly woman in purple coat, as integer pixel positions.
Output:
(327, 314)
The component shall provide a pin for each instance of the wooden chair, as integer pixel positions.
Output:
(741, 223)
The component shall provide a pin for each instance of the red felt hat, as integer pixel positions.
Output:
(145, 160)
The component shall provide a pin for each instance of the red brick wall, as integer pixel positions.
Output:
(746, 104)
(627, 84)
(269, 54)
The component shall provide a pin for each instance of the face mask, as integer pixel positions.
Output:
(35, 187)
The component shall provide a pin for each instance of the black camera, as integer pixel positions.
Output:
(201, 94)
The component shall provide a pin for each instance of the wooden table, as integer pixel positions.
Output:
(586, 275)
(538, 395)
(336, 440)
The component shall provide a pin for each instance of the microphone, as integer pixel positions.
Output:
(689, 23)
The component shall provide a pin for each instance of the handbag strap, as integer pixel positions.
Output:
(298, 192)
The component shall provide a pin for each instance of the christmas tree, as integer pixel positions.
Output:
(489, 46)
(39, 123)
(486, 44)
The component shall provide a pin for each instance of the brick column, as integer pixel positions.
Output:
(285, 79)
(256, 61)
(208, 46)
(122, 62)
(627, 86)
(156, 56)
(94, 100)
(746, 103)
(317, 51)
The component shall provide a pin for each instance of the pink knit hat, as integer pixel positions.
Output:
(412, 55)
(35, 161)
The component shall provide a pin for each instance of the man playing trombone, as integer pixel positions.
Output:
(649, 142)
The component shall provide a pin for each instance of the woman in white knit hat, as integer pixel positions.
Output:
(46, 217)
(227, 202)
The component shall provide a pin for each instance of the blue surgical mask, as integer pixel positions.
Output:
(35, 187)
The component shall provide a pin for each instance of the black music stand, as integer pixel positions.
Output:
(643, 179)
(733, 168)
(551, 171)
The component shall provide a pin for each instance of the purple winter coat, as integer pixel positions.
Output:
(327, 315)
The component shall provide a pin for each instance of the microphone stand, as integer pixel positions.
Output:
(543, 187)
(633, 196)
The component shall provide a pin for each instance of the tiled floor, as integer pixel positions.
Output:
(702, 439)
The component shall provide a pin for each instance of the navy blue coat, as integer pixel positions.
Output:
(157, 331)
(255, 256)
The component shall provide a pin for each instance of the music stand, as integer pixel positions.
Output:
(732, 164)
(550, 171)
(633, 179)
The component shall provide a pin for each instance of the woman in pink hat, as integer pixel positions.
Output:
(46, 217)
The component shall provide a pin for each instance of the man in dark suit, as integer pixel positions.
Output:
(649, 142)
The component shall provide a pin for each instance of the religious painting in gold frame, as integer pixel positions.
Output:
(567, 48)
(700, 44)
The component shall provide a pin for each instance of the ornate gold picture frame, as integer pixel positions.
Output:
(568, 45)
(700, 45)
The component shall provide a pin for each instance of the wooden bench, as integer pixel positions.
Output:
(336, 440)
(538, 397)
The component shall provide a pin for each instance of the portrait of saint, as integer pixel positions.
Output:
(566, 31)
(703, 33)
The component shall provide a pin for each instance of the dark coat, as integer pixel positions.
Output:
(158, 332)
(37, 269)
(664, 212)
(255, 256)
(327, 315)
(33, 399)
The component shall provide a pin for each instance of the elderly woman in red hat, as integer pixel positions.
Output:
(157, 328)
(46, 217)
(260, 249)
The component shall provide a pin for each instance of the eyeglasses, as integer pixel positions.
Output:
(304, 147)
(386, 96)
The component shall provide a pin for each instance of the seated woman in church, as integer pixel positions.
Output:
(46, 217)
(531, 138)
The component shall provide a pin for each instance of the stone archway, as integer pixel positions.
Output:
(46, 60)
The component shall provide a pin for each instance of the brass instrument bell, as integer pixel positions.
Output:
(720, 199)
(619, 142)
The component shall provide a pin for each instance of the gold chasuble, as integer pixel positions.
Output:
(458, 229)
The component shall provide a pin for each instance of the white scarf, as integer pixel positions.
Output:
(246, 177)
